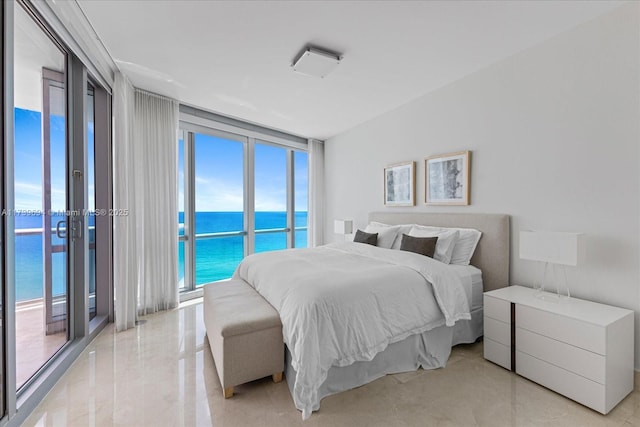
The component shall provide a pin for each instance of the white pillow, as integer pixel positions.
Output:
(446, 240)
(386, 233)
(400, 230)
(465, 246)
(403, 229)
(468, 239)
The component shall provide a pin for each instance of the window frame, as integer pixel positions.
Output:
(192, 124)
(16, 405)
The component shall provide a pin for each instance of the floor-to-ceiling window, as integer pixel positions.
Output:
(301, 197)
(181, 197)
(219, 205)
(90, 214)
(239, 193)
(40, 196)
(270, 177)
(55, 251)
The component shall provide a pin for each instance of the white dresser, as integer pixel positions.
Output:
(578, 348)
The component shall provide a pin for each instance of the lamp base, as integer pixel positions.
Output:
(558, 278)
(549, 296)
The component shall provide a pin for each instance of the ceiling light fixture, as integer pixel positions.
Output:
(316, 62)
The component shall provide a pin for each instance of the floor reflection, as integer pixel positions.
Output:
(161, 373)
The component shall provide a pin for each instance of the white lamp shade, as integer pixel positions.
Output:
(343, 226)
(552, 247)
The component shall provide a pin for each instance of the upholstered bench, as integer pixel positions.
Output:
(245, 334)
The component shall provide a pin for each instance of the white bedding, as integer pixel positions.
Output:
(475, 274)
(345, 302)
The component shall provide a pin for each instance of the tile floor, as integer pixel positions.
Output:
(161, 374)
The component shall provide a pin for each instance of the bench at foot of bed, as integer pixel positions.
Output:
(244, 332)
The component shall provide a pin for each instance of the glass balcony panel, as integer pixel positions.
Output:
(217, 258)
(271, 241)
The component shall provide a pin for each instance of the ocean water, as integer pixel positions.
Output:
(28, 258)
(216, 258)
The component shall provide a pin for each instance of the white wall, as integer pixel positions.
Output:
(555, 137)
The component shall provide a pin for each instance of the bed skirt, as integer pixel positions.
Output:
(430, 350)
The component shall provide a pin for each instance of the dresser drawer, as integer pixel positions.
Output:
(497, 308)
(577, 360)
(578, 388)
(497, 331)
(566, 329)
(497, 353)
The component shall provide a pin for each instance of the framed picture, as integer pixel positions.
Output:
(400, 184)
(447, 179)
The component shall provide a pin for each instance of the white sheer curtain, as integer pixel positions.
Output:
(125, 259)
(145, 184)
(316, 193)
(156, 206)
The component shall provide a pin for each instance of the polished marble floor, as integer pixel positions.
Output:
(161, 374)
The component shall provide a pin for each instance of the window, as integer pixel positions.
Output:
(238, 195)
(56, 248)
(270, 197)
(301, 197)
(181, 195)
(219, 206)
(41, 197)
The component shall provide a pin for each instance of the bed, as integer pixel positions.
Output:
(352, 313)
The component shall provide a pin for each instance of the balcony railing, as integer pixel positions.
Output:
(203, 236)
(38, 263)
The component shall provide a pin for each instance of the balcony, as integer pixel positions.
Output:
(41, 298)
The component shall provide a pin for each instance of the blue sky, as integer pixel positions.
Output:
(219, 170)
(219, 176)
(28, 161)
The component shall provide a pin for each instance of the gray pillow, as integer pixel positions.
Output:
(368, 238)
(421, 245)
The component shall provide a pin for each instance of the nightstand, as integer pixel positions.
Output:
(581, 349)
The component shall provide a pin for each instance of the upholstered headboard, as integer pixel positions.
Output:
(492, 252)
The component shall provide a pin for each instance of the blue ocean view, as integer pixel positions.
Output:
(216, 258)
(28, 254)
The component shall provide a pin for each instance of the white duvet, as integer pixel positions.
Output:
(346, 302)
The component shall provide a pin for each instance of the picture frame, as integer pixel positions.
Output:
(447, 179)
(400, 184)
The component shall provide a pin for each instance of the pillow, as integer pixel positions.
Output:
(464, 248)
(386, 233)
(368, 238)
(400, 230)
(421, 245)
(446, 241)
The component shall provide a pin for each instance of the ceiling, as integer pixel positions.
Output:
(234, 57)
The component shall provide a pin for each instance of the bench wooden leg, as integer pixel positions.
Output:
(277, 377)
(228, 392)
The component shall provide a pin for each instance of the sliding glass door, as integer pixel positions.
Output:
(55, 228)
(90, 214)
(41, 200)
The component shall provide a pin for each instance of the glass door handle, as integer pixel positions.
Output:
(76, 228)
(61, 233)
